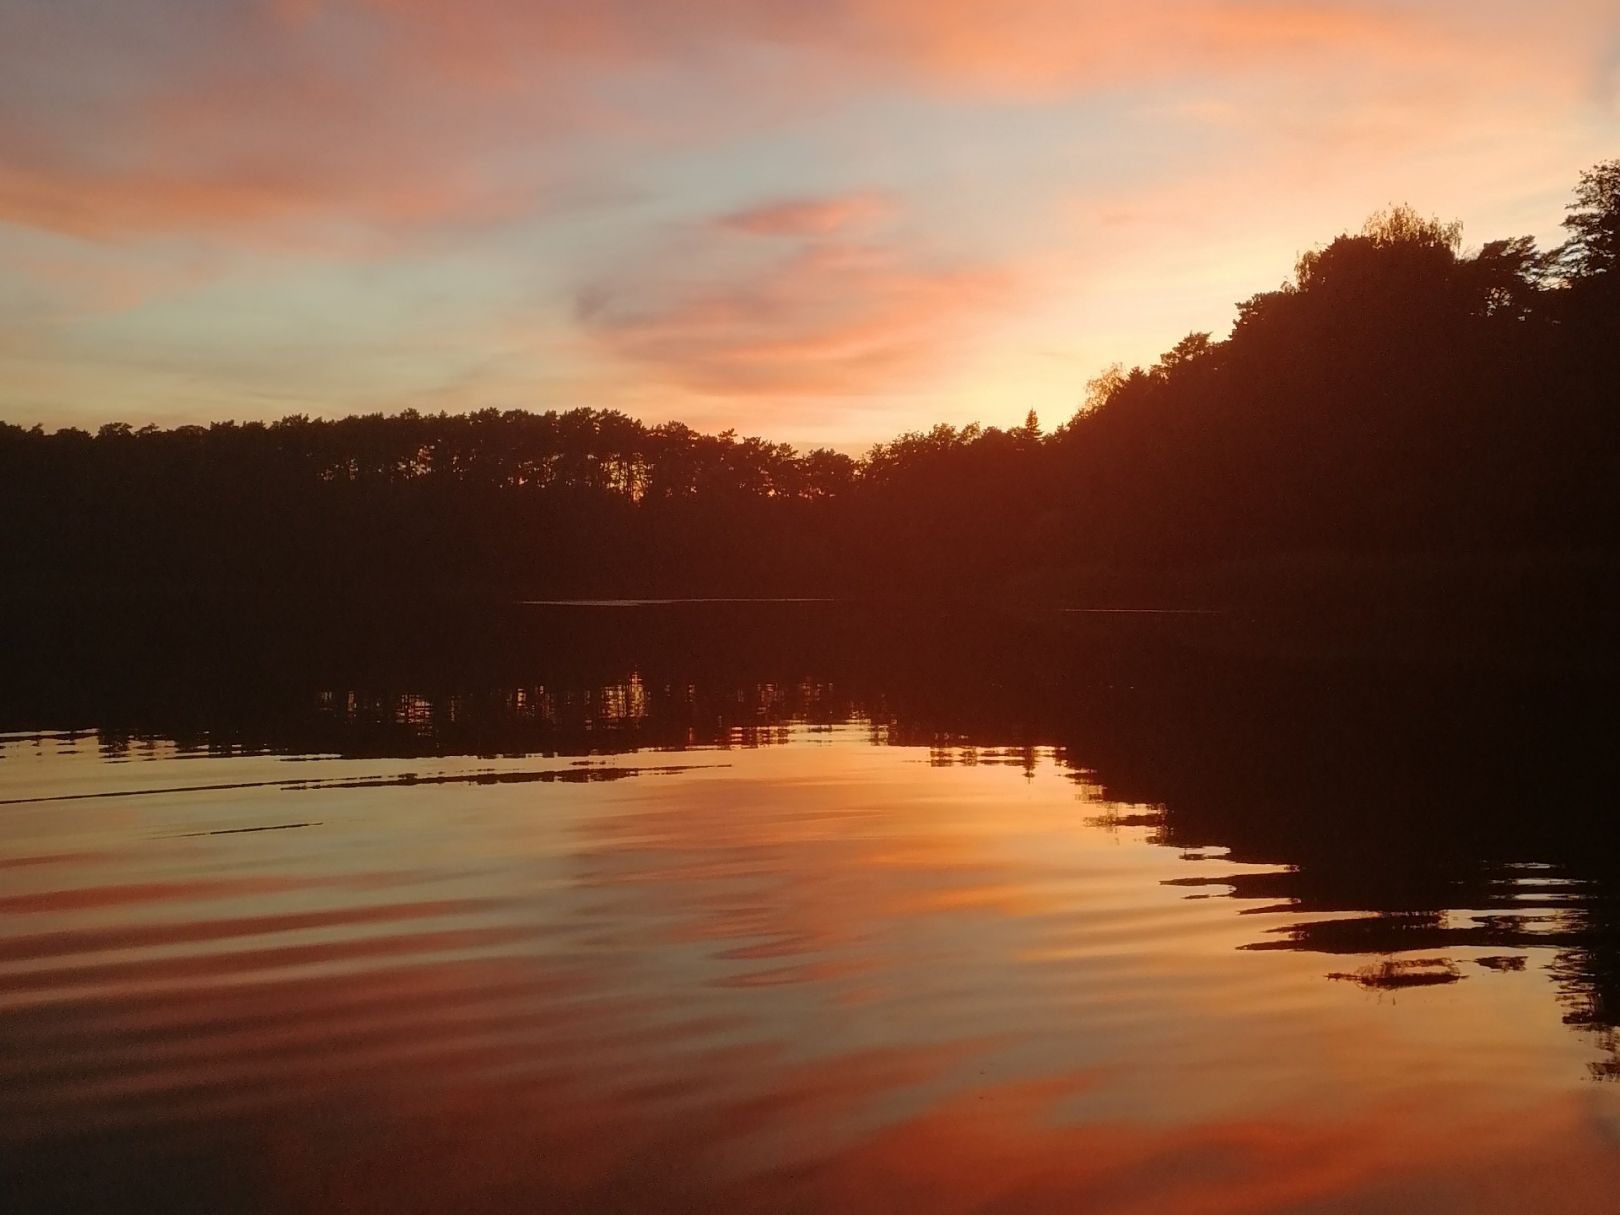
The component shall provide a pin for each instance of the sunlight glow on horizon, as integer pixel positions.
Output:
(821, 226)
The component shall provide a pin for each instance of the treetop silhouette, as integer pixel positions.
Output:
(1397, 398)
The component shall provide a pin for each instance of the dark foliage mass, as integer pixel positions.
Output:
(1397, 400)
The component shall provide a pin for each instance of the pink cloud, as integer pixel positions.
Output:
(834, 318)
(1237, 132)
(274, 122)
(810, 216)
(264, 126)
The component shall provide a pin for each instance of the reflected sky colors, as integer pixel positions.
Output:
(822, 222)
(818, 974)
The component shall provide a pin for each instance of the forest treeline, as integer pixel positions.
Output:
(1396, 400)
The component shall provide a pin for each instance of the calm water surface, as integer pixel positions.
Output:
(673, 936)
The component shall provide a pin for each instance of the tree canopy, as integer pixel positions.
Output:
(1399, 395)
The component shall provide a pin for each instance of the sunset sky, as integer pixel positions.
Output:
(821, 221)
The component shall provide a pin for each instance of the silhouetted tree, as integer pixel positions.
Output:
(1594, 222)
(1397, 399)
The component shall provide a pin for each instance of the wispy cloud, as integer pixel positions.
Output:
(783, 201)
(831, 316)
(810, 216)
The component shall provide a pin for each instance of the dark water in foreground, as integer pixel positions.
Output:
(787, 909)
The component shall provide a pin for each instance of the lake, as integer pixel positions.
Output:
(799, 907)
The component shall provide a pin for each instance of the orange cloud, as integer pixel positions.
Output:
(1052, 44)
(1033, 47)
(284, 206)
